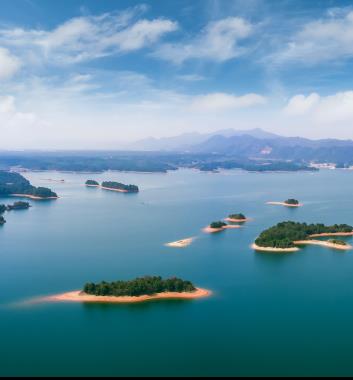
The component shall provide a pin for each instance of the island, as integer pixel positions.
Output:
(15, 185)
(120, 187)
(180, 243)
(92, 183)
(2, 221)
(139, 290)
(288, 203)
(3, 208)
(237, 218)
(286, 236)
(18, 206)
(219, 226)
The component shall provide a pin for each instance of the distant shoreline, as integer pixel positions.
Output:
(326, 244)
(284, 204)
(112, 189)
(80, 297)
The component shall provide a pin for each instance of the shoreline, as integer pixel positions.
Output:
(284, 204)
(183, 243)
(80, 297)
(230, 220)
(111, 189)
(325, 244)
(274, 250)
(33, 197)
(342, 234)
(209, 230)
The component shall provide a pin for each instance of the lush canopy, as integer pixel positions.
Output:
(217, 225)
(121, 186)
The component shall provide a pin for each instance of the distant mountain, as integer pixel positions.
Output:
(187, 141)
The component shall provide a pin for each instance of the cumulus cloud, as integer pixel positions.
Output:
(301, 104)
(219, 41)
(9, 64)
(323, 40)
(88, 37)
(223, 101)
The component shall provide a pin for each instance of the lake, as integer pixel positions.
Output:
(289, 314)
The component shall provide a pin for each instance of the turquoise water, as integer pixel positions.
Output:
(269, 315)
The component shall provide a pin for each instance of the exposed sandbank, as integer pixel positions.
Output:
(210, 230)
(274, 250)
(181, 243)
(111, 189)
(231, 220)
(326, 244)
(284, 204)
(33, 197)
(78, 296)
(342, 234)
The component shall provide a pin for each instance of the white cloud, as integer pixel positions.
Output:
(222, 101)
(88, 37)
(301, 104)
(9, 64)
(219, 42)
(328, 39)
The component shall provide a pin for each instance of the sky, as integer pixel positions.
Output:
(98, 74)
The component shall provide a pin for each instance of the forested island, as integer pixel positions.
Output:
(236, 218)
(18, 206)
(287, 235)
(2, 221)
(291, 201)
(218, 227)
(92, 183)
(14, 184)
(288, 203)
(139, 290)
(116, 186)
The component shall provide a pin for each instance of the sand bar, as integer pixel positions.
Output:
(326, 244)
(274, 250)
(230, 220)
(180, 243)
(284, 204)
(342, 234)
(33, 197)
(78, 296)
(209, 230)
(111, 189)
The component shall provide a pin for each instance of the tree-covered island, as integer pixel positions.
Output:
(139, 287)
(3, 208)
(237, 217)
(15, 184)
(218, 225)
(18, 206)
(92, 183)
(285, 234)
(2, 221)
(292, 202)
(120, 187)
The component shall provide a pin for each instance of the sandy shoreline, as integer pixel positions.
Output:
(78, 296)
(325, 244)
(230, 220)
(342, 234)
(111, 189)
(33, 197)
(284, 204)
(181, 243)
(274, 250)
(209, 230)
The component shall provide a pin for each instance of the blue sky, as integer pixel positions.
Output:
(101, 73)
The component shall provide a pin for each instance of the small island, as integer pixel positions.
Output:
(92, 183)
(15, 185)
(219, 226)
(286, 236)
(237, 218)
(120, 187)
(288, 203)
(138, 290)
(3, 208)
(18, 206)
(180, 243)
(2, 221)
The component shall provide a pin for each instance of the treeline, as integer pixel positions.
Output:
(14, 183)
(284, 234)
(121, 186)
(217, 225)
(139, 287)
(237, 216)
(292, 201)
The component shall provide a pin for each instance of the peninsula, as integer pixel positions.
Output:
(237, 218)
(288, 203)
(15, 185)
(120, 187)
(286, 236)
(139, 290)
(218, 227)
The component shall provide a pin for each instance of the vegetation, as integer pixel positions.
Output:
(15, 183)
(3, 208)
(91, 182)
(285, 234)
(217, 225)
(338, 242)
(121, 186)
(139, 287)
(237, 216)
(293, 202)
(18, 206)
(2, 220)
